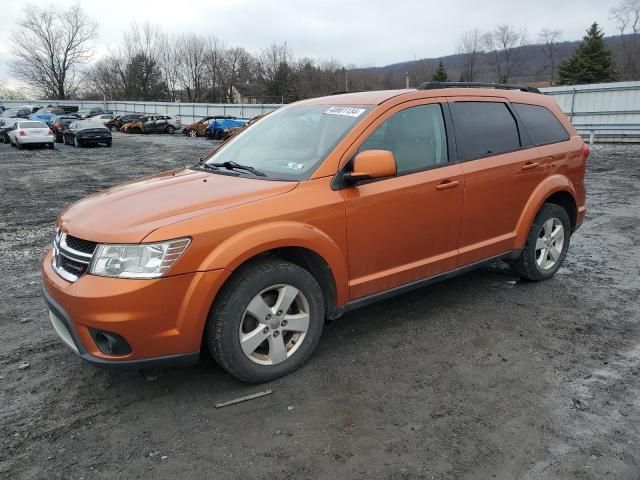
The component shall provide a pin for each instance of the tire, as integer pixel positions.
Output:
(19, 145)
(12, 144)
(50, 146)
(193, 133)
(77, 143)
(170, 130)
(229, 318)
(113, 128)
(108, 144)
(542, 255)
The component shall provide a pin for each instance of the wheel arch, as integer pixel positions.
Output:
(301, 244)
(556, 189)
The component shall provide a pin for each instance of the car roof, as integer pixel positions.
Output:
(379, 97)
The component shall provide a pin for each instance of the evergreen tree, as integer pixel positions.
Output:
(591, 63)
(441, 74)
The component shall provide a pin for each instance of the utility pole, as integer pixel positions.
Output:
(346, 80)
(406, 80)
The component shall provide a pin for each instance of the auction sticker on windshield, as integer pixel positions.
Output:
(346, 111)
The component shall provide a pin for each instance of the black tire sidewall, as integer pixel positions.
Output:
(225, 318)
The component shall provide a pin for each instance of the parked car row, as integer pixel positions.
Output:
(66, 129)
(218, 127)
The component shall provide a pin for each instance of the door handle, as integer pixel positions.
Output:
(447, 184)
(530, 166)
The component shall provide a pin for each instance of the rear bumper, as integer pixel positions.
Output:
(35, 140)
(162, 320)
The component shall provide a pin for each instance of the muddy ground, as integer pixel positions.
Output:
(478, 377)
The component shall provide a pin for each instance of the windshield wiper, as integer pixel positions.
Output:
(235, 166)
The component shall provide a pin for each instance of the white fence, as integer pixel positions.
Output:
(189, 112)
(603, 111)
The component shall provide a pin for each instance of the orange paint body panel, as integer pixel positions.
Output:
(373, 236)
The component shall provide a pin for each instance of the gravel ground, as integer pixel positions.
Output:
(482, 376)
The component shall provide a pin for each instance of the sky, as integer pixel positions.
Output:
(361, 32)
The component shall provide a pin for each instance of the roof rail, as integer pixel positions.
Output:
(503, 86)
(342, 92)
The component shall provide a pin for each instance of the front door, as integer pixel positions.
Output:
(405, 228)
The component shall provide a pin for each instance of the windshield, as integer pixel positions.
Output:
(291, 142)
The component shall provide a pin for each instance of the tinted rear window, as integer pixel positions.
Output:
(542, 125)
(33, 125)
(483, 129)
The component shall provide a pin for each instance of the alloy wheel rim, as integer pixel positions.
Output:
(274, 324)
(549, 244)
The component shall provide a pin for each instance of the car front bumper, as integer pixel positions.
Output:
(162, 320)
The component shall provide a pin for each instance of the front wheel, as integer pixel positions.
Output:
(546, 245)
(266, 321)
(170, 130)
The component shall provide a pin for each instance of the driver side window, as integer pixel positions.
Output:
(416, 136)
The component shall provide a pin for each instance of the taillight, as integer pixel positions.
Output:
(22, 133)
(586, 150)
(58, 126)
(50, 132)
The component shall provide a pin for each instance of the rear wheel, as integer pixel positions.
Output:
(77, 143)
(19, 145)
(170, 130)
(51, 146)
(108, 144)
(546, 246)
(266, 321)
(193, 133)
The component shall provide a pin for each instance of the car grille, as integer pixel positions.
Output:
(84, 246)
(72, 256)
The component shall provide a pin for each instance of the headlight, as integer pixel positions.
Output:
(146, 260)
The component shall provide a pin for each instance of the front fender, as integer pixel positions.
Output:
(246, 244)
(546, 188)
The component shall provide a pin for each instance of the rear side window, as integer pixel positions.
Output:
(483, 129)
(542, 125)
(416, 136)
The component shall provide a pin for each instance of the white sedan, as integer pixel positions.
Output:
(29, 132)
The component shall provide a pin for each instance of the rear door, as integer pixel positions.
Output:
(501, 170)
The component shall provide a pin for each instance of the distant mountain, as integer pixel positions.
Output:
(531, 69)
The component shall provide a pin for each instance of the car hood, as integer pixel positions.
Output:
(129, 212)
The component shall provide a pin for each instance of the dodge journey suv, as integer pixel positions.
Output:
(320, 207)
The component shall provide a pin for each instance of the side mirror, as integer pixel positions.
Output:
(372, 164)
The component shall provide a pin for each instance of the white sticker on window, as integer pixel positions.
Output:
(295, 166)
(347, 111)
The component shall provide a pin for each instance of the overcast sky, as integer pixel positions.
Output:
(363, 32)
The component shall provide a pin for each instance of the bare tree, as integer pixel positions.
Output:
(502, 45)
(170, 65)
(7, 93)
(237, 67)
(214, 60)
(470, 47)
(627, 17)
(549, 44)
(49, 48)
(192, 66)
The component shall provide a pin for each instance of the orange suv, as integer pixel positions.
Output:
(322, 206)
